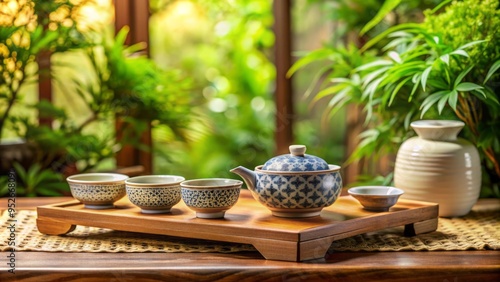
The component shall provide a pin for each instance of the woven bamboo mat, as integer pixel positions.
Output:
(479, 230)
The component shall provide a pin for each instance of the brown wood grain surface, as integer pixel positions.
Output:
(426, 266)
(345, 266)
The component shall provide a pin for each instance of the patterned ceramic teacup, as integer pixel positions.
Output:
(97, 190)
(210, 197)
(154, 193)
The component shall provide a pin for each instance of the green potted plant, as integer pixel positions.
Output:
(444, 67)
(26, 32)
(122, 83)
(134, 88)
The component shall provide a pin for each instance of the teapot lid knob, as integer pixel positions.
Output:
(297, 150)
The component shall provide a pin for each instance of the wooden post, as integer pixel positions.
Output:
(283, 62)
(135, 14)
(44, 83)
(354, 128)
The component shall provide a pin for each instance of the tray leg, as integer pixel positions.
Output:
(421, 227)
(293, 251)
(315, 249)
(53, 227)
(277, 250)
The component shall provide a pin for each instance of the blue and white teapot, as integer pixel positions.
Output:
(295, 184)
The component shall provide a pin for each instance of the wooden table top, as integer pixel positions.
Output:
(343, 266)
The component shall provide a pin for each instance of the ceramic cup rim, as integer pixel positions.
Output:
(370, 191)
(211, 183)
(168, 180)
(83, 178)
(436, 123)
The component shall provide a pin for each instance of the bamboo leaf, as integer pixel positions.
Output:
(3, 186)
(371, 89)
(440, 5)
(333, 111)
(397, 88)
(315, 80)
(416, 78)
(134, 48)
(44, 42)
(377, 63)
(425, 75)
(467, 86)
(338, 97)
(414, 90)
(329, 91)
(445, 58)
(338, 102)
(388, 31)
(121, 36)
(408, 119)
(442, 103)
(398, 72)
(430, 101)
(400, 34)
(313, 56)
(416, 55)
(395, 56)
(488, 94)
(370, 133)
(460, 52)
(461, 76)
(386, 8)
(480, 91)
(438, 83)
(453, 99)
(20, 170)
(492, 70)
(53, 189)
(340, 80)
(31, 175)
(397, 41)
(373, 75)
(465, 46)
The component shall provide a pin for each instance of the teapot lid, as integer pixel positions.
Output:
(297, 160)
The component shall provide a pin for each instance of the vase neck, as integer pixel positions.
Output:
(443, 130)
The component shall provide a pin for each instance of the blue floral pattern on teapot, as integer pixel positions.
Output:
(298, 191)
(294, 185)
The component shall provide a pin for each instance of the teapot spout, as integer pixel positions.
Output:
(248, 176)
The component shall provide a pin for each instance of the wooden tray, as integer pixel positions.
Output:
(248, 222)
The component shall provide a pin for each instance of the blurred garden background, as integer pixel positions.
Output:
(204, 85)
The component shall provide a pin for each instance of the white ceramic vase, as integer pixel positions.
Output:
(438, 167)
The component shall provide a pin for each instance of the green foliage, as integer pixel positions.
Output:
(133, 87)
(64, 143)
(142, 90)
(439, 74)
(386, 8)
(441, 68)
(130, 86)
(481, 18)
(36, 182)
(232, 76)
(123, 84)
(24, 36)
